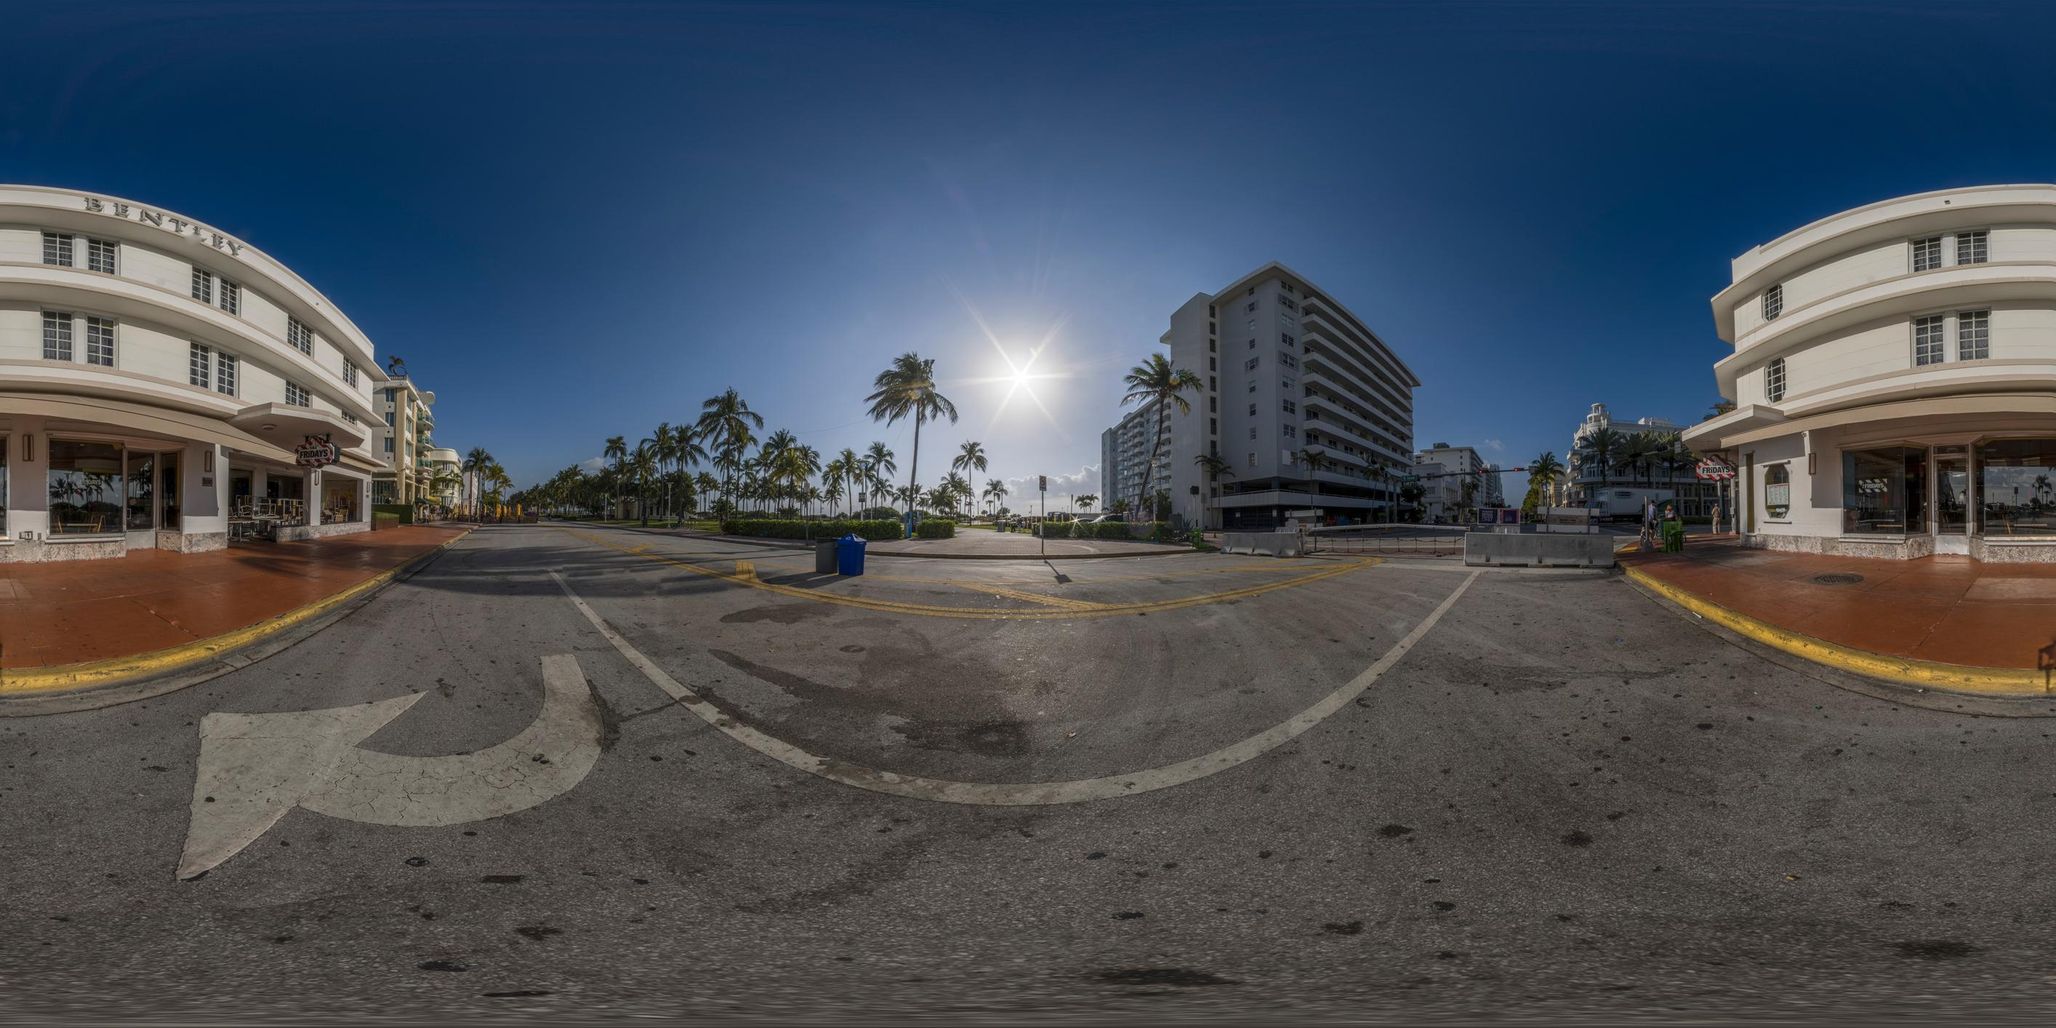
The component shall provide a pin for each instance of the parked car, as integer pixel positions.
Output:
(1108, 519)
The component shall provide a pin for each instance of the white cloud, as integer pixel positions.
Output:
(1495, 446)
(1084, 480)
(593, 465)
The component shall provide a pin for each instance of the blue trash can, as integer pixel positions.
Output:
(849, 555)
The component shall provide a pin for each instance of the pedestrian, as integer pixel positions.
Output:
(1647, 539)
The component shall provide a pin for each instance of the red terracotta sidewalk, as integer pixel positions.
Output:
(75, 611)
(1941, 609)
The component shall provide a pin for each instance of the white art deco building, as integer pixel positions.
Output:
(160, 379)
(1894, 379)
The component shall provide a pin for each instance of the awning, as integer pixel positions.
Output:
(89, 412)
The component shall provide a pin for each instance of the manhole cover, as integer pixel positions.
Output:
(1838, 579)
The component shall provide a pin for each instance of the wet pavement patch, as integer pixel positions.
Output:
(983, 738)
(443, 965)
(500, 879)
(777, 613)
(1343, 928)
(517, 994)
(1178, 976)
(537, 932)
(1575, 837)
(1838, 579)
(1394, 831)
(1936, 949)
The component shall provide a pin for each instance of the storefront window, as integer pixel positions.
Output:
(1777, 491)
(85, 487)
(2017, 487)
(1884, 491)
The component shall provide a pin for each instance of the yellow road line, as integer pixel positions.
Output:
(120, 669)
(1925, 674)
(977, 614)
(1053, 601)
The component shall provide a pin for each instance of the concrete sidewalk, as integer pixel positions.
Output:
(76, 612)
(1951, 611)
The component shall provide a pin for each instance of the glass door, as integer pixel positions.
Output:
(1952, 503)
(140, 517)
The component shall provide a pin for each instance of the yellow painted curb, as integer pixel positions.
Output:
(116, 670)
(1923, 674)
(745, 575)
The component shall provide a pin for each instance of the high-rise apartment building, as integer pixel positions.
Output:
(1303, 404)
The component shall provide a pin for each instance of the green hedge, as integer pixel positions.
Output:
(404, 513)
(1120, 531)
(935, 528)
(384, 519)
(776, 528)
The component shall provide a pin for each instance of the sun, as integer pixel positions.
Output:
(1019, 379)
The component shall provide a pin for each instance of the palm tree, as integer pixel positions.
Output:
(995, 491)
(1545, 469)
(958, 488)
(725, 423)
(1088, 501)
(878, 465)
(476, 461)
(970, 458)
(664, 446)
(844, 473)
(1603, 448)
(639, 467)
(1314, 461)
(1155, 380)
(908, 387)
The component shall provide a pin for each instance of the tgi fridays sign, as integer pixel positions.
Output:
(315, 451)
(1714, 469)
(170, 223)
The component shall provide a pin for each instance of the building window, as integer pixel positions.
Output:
(1973, 335)
(1973, 247)
(1884, 491)
(1287, 304)
(200, 365)
(56, 336)
(100, 254)
(203, 286)
(1211, 365)
(1291, 432)
(1252, 340)
(1212, 384)
(297, 334)
(57, 249)
(1252, 458)
(1291, 407)
(1777, 491)
(1213, 426)
(1774, 380)
(1249, 307)
(1927, 340)
(225, 368)
(231, 297)
(296, 394)
(389, 419)
(1774, 302)
(389, 395)
(1213, 404)
(85, 482)
(1252, 412)
(1250, 364)
(2015, 491)
(389, 444)
(1288, 360)
(1927, 253)
(1252, 431)
(100, 342)
(350, 373)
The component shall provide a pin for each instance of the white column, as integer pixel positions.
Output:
(28, 479)
(313, 497)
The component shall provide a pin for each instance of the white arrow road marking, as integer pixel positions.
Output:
(255, 767)
(1028, 793)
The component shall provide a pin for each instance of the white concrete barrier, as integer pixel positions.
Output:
(1538, 549)
(1263, 544)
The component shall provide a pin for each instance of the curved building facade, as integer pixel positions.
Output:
(164, 384)
(1894, 379)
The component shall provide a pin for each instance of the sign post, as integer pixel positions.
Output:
(1042, 527)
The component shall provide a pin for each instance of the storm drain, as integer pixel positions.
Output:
(1838, 579)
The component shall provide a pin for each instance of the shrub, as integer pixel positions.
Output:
(1059, 529)
(935, 528)
(789, 528)
(403, 513)
(384, 519)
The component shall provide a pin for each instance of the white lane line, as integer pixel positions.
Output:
(1025, 793)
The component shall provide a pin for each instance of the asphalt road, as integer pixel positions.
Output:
(1557, 799)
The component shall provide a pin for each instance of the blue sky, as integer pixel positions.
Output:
(578, 221)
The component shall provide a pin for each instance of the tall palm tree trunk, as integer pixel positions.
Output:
(913, 474)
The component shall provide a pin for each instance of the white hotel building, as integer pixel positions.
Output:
(1894, 377)
(157, 376)
(1286, 370)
